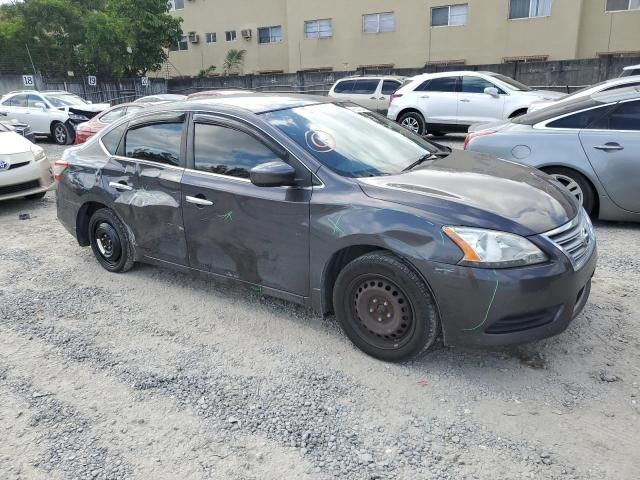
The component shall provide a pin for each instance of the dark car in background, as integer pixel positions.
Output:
(332, 206)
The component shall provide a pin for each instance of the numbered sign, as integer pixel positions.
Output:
(145, 81)
(93, 81)
(28, 80)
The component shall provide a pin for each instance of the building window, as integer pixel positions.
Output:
(270, 34)
(378, 22)
(617, 5)
(318, 29)
(230, 36)
(529, 8)
(448, 16)
(183, 44)
(176, 4)
(210, 37)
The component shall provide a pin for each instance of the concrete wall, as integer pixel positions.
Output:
(575, 29)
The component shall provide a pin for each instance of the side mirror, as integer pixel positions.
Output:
(493, 91)
(40, 105)
(272, 174)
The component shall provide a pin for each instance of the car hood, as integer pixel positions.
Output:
(543, 95)
(89, 110)
(479, 190)
(12, 143)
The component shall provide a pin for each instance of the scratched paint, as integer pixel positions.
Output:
(335, 225)
(486, 314)
(227, 217)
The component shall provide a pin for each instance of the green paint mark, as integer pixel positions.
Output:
(257, 289)
(228, 217)
(335, 226)
(486, 315)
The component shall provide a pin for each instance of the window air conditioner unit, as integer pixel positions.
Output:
(246, 34)
(194, 37)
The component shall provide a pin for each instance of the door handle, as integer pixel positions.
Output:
(424, 96)
(120, 186)
(465, 100)
(609, 147)
(382, 98)
(199, 201)
(373, 98)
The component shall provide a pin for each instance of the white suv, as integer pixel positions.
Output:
(51, 113)
(373, 92)
(453, 101)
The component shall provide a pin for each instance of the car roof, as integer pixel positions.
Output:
(631, 67)
(253, 102)
(219, 91)
(619, 95)
(372, 77)
(452, 73)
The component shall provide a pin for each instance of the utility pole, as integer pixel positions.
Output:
(35, 75)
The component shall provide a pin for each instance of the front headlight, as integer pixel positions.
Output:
(38, 153)
(494, 249)
(78, 118)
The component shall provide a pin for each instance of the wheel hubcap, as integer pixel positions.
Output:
(571, 185)
(108, 243)
(411, 124)
(382, 311)
(61, 135)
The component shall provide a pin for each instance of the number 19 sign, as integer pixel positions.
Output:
(92, 80)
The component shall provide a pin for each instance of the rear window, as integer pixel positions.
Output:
(557, 110)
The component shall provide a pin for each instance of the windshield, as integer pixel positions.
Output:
(513, 84)
(351, 140)
(65, 100)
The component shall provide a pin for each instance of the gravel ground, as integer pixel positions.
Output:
(160, 375)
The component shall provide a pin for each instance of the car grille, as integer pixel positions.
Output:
(524, 322)
(17, 165)
(576, 239)
(19, 187)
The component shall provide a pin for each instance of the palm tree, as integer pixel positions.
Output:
(233, 61)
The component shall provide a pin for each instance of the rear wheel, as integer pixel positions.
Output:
(413, 122)
(110, 241)
(577, 185)
(385, 309)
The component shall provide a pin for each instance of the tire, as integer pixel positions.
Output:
(36, 196)
(577, 184)
(385, 308)
(62, 134)
(414, 122)
(110, 241)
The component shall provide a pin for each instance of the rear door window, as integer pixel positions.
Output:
(18, 101)
(626, 116)
(390, 87)
(442, 84)
(345, 86)
(157, 142)
(580, 120)
(366, 86)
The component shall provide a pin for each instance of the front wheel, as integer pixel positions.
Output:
(577, 185)
(110, 241)
(62, 133)
(413, 122)
(385, 309)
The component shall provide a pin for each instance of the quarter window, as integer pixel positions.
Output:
(378, 22)
(111, 140)
(442, 84)
(450, 15)
(270, 34)
(318, 28)
(210, 37)
(389, 87)
(477, 85)
(230, 36)
(617, 5)
(159, 142)
(626, 116)
(227, 151)
(529, 8)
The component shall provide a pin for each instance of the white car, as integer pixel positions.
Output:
(24, 168)
(630, 71)
(452, 101)
(606, 86)
(373, 92)
(51, 113)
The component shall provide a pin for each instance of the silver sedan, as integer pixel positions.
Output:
(591, 145)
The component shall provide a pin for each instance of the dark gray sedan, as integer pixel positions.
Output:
(334, 207)
(591, 145)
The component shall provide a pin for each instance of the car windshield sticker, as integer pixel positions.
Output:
(320, 141)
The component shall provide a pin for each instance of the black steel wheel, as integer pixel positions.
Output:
(385, 308)
(110, 241)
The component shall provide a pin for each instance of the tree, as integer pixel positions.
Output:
(207, 72)
(234, 61)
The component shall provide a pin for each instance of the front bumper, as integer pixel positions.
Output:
(30, 179)
(508, 306)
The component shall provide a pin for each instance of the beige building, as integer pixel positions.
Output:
(294, 35)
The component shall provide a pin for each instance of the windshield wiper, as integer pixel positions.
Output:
(424, 158)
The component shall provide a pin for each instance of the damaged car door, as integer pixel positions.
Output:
(236, 229)
(144, 179)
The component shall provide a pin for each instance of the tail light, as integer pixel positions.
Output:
(473, 135)
(58, 168)
(393, 97)
(82, 135)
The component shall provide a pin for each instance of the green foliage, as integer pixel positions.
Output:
(234, 61)
(207, 72)
(105, 37)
